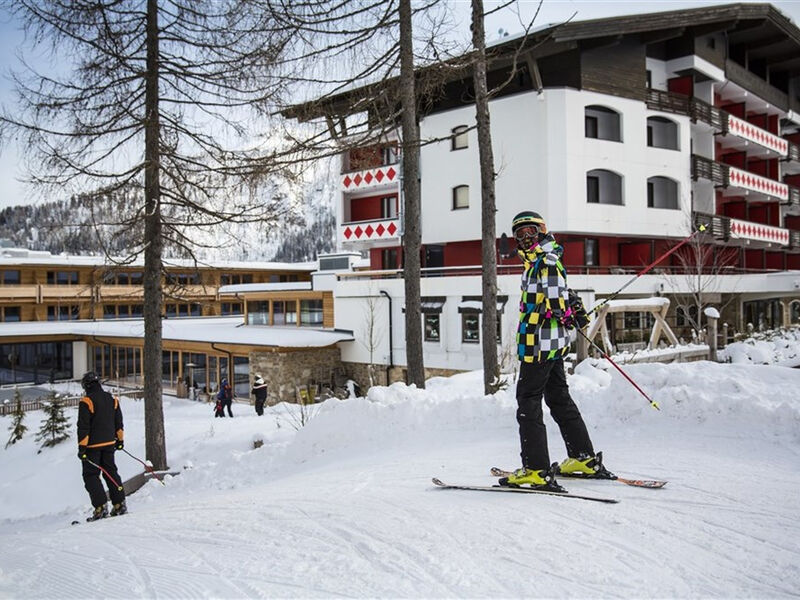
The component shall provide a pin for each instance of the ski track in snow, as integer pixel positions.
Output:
(346, 509)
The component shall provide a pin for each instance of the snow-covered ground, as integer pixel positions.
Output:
(345, 507)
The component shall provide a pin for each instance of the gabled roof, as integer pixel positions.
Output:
(744, 23)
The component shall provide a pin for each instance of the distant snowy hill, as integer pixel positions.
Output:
(305, 229)
(345, 507)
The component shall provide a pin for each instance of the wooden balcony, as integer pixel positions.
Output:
(20, 292)
(705, 168)
(739, 232)
(740, 182)
(736, 132)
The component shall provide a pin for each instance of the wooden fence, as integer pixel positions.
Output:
(66, 401)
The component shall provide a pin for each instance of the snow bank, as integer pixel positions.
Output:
(781, 347)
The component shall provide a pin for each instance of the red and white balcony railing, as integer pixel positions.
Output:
(754, 133)
(369, 178)
(370, 231)
(757, 183)
(758, 232)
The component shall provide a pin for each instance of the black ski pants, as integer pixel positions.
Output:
(260, 406)
(91, 476)
(547, 378)
(227, 403)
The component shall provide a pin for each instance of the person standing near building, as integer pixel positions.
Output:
(225, 397)
(100, 434)
(542, 341)
(260, 393)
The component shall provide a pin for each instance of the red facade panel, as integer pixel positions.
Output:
(681, 85)
(793, 261)
(754, 259)
(774, 260)
(637, 254)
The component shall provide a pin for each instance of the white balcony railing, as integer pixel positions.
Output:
(376, 177)
(746, 230)
(370, 231)
(757, 183)
(753, 133)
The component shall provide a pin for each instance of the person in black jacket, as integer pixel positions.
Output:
(100, 433)
(260, 393)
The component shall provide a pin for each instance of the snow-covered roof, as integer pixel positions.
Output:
(218, 330)
(23, 257)
(245, 288)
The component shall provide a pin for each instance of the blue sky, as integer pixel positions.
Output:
(12, 39)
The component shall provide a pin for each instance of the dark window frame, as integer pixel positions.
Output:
(456, 190)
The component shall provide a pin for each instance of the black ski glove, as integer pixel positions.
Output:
(82, 453)
(119, 445)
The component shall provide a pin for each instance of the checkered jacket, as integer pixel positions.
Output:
(540, 335)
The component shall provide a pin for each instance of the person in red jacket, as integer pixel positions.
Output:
(100, 433)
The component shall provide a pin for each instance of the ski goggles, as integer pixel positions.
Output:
(526, 232)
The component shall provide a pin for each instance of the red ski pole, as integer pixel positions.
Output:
(648, 267)
(146, 466)
(616, 366)
(106, 473)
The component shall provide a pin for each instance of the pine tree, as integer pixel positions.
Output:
(17, 429)
(54, 428)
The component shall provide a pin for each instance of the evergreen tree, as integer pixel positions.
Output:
(17, 429)
(54, 428)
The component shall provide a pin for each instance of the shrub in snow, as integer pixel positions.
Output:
(54, 428)
(16, 428)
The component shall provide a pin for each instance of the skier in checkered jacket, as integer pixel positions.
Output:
(543, 338)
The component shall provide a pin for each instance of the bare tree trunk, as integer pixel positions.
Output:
(488, 209)
(411, 192)
(155, 443)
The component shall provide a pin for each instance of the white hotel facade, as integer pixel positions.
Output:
(624, 133)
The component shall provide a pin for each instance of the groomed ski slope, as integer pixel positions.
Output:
(345, 508)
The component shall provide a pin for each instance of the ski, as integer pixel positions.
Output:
(519, 490)
(652, 484)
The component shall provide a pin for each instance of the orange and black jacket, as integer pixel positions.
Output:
(99, 419)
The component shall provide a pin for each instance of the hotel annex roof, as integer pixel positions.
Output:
(212, 330)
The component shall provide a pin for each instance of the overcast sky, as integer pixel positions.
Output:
(552, 11)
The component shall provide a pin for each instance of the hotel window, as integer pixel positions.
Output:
(291, 312)
(662, 133)
(388, 207)
(10, 314)
(662, 192)
(258, 312)
(431, 325)
(460, 138)
(311, 313)
(591, 252)
(62, 313)
(235, 278)
(389, 258)
(460, 197)
(602, 123)
(470, 327)
(279, 312)
(11, 277)
(232, 308)
(62, 277)
(603, 187)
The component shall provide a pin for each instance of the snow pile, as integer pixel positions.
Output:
(344, 505)
(780, 347)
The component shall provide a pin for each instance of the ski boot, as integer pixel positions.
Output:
(99, 512)
(119, 509)
(585, 467)
(542, 479)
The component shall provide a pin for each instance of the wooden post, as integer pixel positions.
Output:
(711, 338)
(581, 348)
